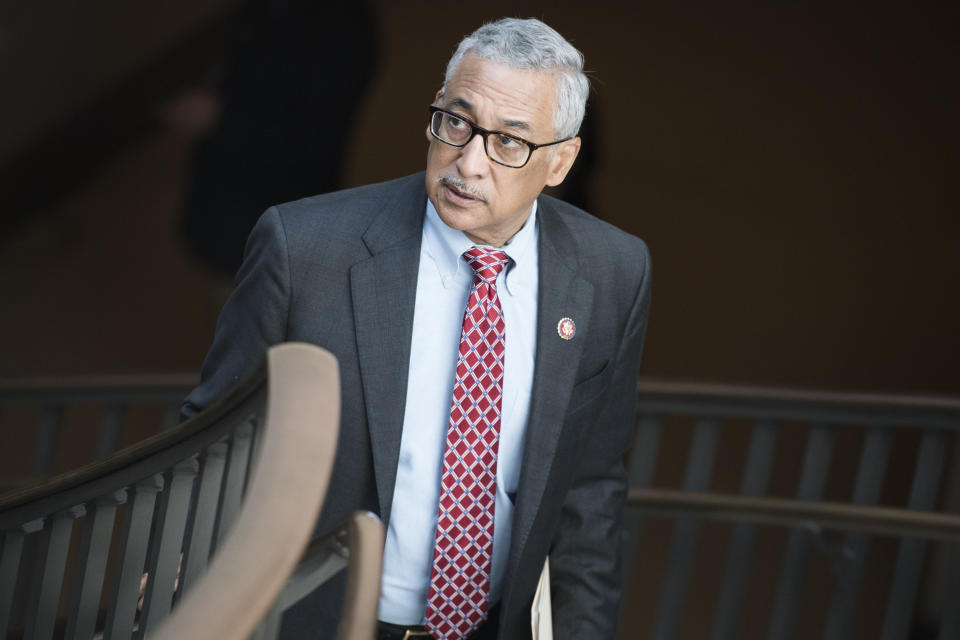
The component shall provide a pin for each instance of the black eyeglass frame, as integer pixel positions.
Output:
(477, 129)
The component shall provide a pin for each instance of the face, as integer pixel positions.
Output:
(485, 200)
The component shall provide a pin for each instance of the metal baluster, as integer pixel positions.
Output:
(134, 536)
(164, 556)
(23, 575)
(937, 576)
(256, 430)
(906, 575)
(171, 416)
(200, 537)
(9, 568)
(740, 552)
(110, 430)
(873, 466)
(48, 435)
(698, 472)
(48, 576)
(259, 632)
(257, 437)
(89, 577)
(950, 622)
(238, 459)
(643, 461)
(816, 462)
(269, 627)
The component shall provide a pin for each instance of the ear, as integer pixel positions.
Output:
(436, 100)
(561, 161)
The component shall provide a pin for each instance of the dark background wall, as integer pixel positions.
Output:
(793, 169)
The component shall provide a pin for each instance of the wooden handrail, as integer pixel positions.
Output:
(887, 521)
(281, 506)
(649, 386)
(729, 400)
(258, 532)
(358, 620)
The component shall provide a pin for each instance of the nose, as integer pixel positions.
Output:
(473, 159)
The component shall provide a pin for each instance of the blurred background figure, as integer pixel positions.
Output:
(276, 126)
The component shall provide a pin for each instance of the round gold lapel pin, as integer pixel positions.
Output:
(566, 328)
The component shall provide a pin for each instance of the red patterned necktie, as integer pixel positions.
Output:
(460, 580)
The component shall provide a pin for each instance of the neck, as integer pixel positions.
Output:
(498, 240)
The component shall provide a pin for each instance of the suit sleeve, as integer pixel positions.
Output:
(585, 560)
(254, 317)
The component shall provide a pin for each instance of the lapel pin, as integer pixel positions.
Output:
(566, 329)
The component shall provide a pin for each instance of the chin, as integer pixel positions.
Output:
(453, 218)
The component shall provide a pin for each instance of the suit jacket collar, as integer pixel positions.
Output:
(563, 293)
(384, 288)
(384, 292)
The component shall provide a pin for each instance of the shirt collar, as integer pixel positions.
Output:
(446, 245)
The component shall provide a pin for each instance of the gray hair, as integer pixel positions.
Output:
(531, 44)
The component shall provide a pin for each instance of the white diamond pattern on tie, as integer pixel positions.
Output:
(458, 599)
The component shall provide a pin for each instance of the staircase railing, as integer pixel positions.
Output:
(111, 547)
(44, 419)
(865, 431)
(877, 441)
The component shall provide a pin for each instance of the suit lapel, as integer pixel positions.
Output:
(562, 294)
(384, 288)
(384, 293)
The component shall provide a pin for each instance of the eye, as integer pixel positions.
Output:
(456, 123)
(508, 142)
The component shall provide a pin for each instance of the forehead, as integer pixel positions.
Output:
(497, 95)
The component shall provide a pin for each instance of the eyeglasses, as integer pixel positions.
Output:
(504, 148)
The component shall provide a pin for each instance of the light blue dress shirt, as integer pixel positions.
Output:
(444, 280)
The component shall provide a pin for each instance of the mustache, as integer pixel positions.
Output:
(460, 185)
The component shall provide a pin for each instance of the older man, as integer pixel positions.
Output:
(488, 338)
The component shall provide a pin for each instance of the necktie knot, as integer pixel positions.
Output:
(486, 263)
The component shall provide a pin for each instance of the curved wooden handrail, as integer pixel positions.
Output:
(206, 492)
(366, 538)
(887, 521)
(358, 546)
(281, 506)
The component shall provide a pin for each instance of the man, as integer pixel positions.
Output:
(488, 338)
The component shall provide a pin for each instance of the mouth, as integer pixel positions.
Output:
(458, 193)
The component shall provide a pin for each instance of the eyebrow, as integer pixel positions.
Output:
(517, 124)
(507, 124)
(460, 102)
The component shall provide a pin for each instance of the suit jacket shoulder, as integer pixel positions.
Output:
(615, 262)
(294, 280)
(344, 217)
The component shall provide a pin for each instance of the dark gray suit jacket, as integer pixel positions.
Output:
(340, 270)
